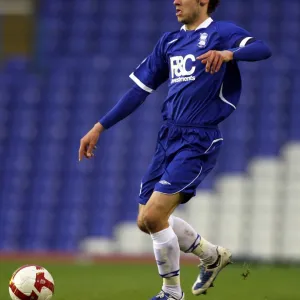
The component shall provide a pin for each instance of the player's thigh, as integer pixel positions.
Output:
(185, 173)
(155, 214)
(161, 205)
(155, 205)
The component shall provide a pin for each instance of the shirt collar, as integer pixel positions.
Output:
(205, 24)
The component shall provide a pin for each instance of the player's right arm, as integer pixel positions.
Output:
(148, 76)
(238, 45)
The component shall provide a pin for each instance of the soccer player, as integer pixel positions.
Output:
(200, 61)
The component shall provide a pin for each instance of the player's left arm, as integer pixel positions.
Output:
(241, 47)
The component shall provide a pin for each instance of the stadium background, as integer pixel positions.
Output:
(63, 65)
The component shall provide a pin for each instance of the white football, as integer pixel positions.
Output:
(31, 283)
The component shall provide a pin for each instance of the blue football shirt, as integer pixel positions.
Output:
(195, 97)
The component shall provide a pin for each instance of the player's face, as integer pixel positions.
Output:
(187, 11)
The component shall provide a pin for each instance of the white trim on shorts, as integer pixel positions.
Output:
(213, 142)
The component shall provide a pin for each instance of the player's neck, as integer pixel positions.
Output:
(197, 23)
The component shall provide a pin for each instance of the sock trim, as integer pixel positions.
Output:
(194, 245)
(171, 274)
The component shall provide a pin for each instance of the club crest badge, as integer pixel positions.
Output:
(203, 40)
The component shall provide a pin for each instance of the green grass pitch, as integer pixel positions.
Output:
(79, 281)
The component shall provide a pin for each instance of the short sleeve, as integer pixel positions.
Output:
(153, 71)
(233, 36)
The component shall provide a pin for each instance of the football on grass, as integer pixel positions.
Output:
(31, 283)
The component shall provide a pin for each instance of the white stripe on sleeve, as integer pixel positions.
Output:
(245, 40)
(140, 84)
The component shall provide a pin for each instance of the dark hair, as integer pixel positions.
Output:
(212, 5)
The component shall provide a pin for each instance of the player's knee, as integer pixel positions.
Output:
(141, 225)
(152, 221)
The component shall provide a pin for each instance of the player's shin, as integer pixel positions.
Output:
(167, 255)
(191, 242)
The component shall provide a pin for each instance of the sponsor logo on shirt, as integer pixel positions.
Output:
(180, 71)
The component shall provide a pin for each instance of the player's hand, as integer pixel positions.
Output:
(214, 60)
(89, 141)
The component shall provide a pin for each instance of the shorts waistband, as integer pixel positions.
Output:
(169, 122)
